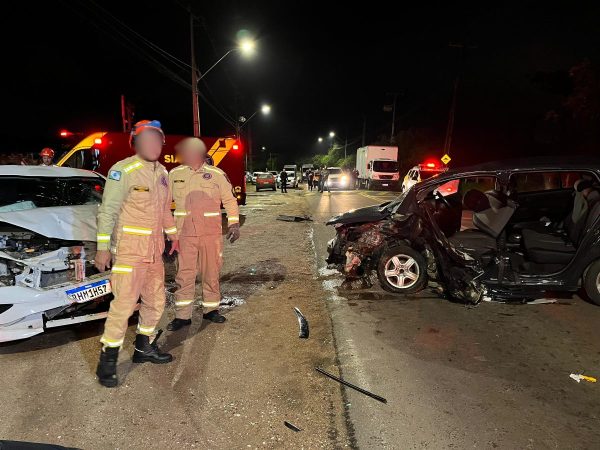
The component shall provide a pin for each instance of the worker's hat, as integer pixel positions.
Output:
(47, 152)
(145, 125)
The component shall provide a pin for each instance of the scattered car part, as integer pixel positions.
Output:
(579, 377)
(302, 324)
(291, 426)
(350, 385)
(285, 218)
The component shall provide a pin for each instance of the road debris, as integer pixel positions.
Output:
(291, 426)
(285, 218)
(302, 324)
(542, 301)
(578, 377)
(350, 385)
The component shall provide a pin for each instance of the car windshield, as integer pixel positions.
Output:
(426, 174)
(385, 166)
(265, 176)
(19, 193)
(334, 171)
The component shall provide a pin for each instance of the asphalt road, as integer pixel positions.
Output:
(493, 376)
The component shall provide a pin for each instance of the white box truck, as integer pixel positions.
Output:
(377, 167)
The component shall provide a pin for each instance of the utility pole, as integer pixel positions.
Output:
(452, 113)
(395, 94)
(195, 106)
(123, 114)
(364, 131)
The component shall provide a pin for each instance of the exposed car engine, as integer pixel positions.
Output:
(32, 260)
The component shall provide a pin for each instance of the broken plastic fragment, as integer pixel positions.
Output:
(578, 377)
(302, 324)
(293, 218)
(350, 385)
(291, 426)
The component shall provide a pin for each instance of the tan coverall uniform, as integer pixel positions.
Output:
(135, 212)
(198, 195)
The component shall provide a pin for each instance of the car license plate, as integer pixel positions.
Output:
(385, 184)
(89, 292)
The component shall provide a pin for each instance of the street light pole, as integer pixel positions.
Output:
(195, 105)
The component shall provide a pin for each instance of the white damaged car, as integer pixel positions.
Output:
(47, 248)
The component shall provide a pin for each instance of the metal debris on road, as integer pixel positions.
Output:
(350, 385)
(579, 377)
(291, 426)
(542, 301)
(302, 324)
(285, 218)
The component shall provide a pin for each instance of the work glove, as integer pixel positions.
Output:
(233, 233)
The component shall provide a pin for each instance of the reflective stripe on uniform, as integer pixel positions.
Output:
(210, 304)
(233, 219)
(122, 269)
(180, 213)
(137, 230)
(183, 302)
(171, 230)
(111, 342)
(103, 237)
(212, 214)
(133, 166)
(145, 330)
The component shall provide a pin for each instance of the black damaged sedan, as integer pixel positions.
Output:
(506, 230)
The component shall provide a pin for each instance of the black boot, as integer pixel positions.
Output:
(107, 367)
(214, 316)
(177, 324)
(144, 351)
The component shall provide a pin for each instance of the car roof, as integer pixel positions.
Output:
(519, 165)
(45, 171)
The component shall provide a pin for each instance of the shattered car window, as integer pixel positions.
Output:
(18, 193)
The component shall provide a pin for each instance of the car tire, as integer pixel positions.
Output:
(591, 282)
(402, 270)
(257, 189)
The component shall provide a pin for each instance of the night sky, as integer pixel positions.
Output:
(321, 66)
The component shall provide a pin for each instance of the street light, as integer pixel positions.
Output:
(246, 47)
(265, 109)
(331, 134)
(320, 139)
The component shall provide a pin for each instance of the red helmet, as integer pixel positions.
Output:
(47, 152)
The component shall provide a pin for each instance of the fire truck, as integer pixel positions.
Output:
(99, 151)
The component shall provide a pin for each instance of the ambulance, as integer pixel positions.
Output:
(99, 151)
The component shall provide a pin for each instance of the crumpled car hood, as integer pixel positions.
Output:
(72, 223)
(368, 214)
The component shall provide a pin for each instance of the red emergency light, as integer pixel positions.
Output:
(236, 146)
(65, 133)
(98, 141)
(430, 165)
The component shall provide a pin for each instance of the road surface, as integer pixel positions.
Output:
(492, 376)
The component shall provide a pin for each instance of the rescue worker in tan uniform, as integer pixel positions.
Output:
(199, 189)
(132, 220)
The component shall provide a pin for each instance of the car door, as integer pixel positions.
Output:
(542, 194)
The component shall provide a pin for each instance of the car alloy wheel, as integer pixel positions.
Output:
(402, 271)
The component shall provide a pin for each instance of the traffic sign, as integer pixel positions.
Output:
(446, 159)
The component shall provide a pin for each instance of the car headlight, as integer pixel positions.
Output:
(344, 179)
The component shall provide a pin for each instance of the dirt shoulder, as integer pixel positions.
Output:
(230, 386)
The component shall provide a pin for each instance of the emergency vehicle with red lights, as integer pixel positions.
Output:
(99, 151)
(422, 172)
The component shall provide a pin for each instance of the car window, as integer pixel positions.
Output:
(463, 185)
(81, 159)
(544, 181)
(334, 171)
(40, 192)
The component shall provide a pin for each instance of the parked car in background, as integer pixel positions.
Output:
(253, 178)
(292, 180)
(506, 230)
(47, 249)
(265, 180)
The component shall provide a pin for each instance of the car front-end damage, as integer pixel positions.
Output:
(47, 277)
(366, 237)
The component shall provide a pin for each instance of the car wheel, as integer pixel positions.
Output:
(402, 270)
(591, 282)
(257, 189)
(368, 185)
